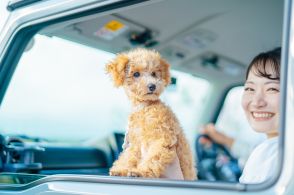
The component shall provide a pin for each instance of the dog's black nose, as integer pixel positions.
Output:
(151, 87)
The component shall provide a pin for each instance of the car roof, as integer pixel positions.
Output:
(207, 38)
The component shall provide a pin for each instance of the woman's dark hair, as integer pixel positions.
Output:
(259, 64)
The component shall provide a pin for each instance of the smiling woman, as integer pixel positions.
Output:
(261, 103)
(261, 97)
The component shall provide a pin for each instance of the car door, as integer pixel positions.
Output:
(27, 19)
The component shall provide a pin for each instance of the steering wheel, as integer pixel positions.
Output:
(215, 162)
(16, 156)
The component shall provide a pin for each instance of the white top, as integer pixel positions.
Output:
(262, 163)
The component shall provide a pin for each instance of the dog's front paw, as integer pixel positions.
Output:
(134, 173)
(141, 173)
(117, 172)
(114, 173)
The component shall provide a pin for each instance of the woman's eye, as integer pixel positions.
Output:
(248, 89)
(153, 74)
(136, 74)
(273, 89)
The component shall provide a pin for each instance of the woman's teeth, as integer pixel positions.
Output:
(262, 115)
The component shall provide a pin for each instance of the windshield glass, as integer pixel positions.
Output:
(60, 91)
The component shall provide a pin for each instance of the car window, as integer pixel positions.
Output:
(61, 92)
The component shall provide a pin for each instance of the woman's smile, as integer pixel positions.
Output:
(262, 116)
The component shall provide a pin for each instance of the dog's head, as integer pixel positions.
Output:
(142, 72)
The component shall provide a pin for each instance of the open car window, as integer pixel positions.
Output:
(61, 104)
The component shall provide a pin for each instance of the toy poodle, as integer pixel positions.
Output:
(155, 145)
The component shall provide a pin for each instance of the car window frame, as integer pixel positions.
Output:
(21, 37)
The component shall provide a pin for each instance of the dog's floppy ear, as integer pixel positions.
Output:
(117, 69)
(165, 71)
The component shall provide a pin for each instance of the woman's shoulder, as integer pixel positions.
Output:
(265, 150)
(261, 162)
(267, 145)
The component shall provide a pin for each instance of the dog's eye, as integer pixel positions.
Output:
(153, 74)
(136, 74)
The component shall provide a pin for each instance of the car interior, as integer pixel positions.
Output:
(206, 39)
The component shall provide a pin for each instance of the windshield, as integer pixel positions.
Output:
(60, 91)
